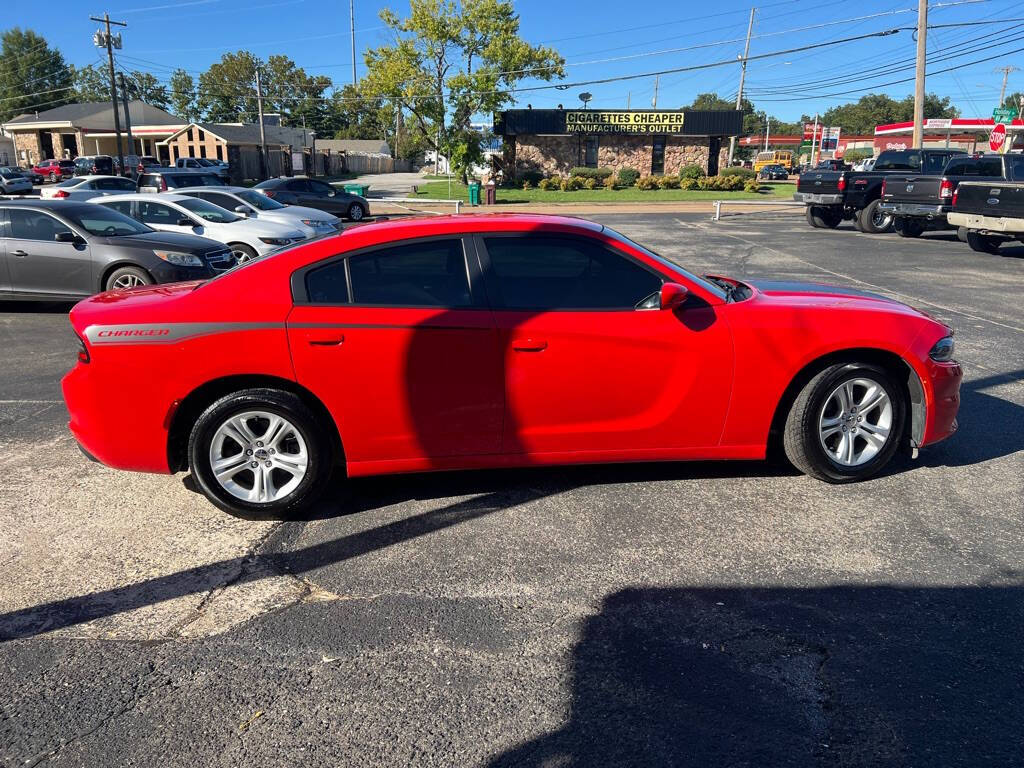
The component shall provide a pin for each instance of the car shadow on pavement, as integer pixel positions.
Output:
(37, 307)
(840, 676)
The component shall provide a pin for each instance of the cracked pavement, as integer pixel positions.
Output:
(688, 614)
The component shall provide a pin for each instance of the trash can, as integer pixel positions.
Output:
(357, 189)
(490, 196)
(474, 193)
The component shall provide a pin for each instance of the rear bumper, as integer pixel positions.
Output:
(1006, 224)
(914, 209)
(811, 198)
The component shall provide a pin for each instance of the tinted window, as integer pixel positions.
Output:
(297, 185)
(319, 188)
(256, 200)
(566, 273)
(158, 213)
(121, 206)
(990, 166)
(121, 185)
(935, 163)
(899, 160)
(427, 274)
(33, 225)
(101, 220)
(1016, 166)
(193, 180)
(149, 180)
(208, 211)
(219, 198)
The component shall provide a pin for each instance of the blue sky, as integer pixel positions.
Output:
(597, 40)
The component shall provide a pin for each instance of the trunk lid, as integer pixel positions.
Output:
(820, 182)
(913, 188)
(991, 198)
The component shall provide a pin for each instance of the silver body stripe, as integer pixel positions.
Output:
(166, 333)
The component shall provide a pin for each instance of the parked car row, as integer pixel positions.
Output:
(912, 191)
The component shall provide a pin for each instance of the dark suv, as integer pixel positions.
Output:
(314, 193)
(58, 250)
(94, 165)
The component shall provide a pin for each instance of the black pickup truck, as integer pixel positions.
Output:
(992, 212)
(832, 196)
(921, 202)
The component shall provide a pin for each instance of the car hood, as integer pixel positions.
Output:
(310, 213)
(194, 243)
(823, 296)
(259, 227)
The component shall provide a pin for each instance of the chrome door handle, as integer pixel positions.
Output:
(19, 254)
(529, 345)
(327, 341)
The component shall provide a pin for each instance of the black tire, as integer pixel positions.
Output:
(243, 252)
(961, 234)
(356, 212)
(823, 217)
(812, 218)
(802, 443)
(871, 221)
(983, 243)
(53, 177)
(320, 458)
(128, 277)
(908, 227)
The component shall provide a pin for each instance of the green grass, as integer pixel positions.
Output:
(438, 190)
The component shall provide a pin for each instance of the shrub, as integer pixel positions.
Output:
(647, 182)
(628, 176)
(534, 177)
(751, 186)
(706, 182)
(668, 182)
(591, 182)
(611, 182)
(591, 173)
(527, 184)
(571, 184)
(692, 171)
(732, 183)
(547, 184)
(687, 183)
(738, 170)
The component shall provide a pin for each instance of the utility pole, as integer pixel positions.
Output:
(398, 119)
(922, 46)
(127, 121)
(352, 30)
(654, 101)
(1006, 76)
(767, 131)
(113, 86)
(259, 109)
(629, 94)
(814, 138)
(743, 74)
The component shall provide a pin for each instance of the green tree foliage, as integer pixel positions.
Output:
(92, 83)
(877, 109)
(142, 86)
(32, 75)
(182, 95)
(754, 122)
(451, 60)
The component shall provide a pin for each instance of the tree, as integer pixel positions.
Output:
(32, 75)
(182, 96)
(92, 83)
(874, 109)
(143, 86)
(450, 61)
(227, 90)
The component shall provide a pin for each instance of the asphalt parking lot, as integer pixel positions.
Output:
(694, 614)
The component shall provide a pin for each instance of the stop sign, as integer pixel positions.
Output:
(997, 137)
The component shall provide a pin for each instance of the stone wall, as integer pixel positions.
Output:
(28, 142)
(556, 155)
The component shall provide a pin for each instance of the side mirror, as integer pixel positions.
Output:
(242, 211)
(65, 237)
(673, 295)
(185, 221)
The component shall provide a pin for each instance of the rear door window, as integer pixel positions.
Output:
(899, 160)
(552, 273)
(157, 213)
(33, 225)
(122, 206)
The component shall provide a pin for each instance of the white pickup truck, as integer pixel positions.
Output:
(203, 164)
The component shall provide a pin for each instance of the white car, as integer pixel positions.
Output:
(13, 183)
(247, 238)
(253, 205)
(80, 188)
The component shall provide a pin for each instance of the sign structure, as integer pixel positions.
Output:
(938, 122)
(997, 139)
(830, 139)
(599, 121)
(812, 132)
(1004, 114)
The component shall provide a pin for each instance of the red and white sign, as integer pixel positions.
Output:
(812, 131)
(997, 138)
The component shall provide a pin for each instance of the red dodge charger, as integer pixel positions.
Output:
(494, 341)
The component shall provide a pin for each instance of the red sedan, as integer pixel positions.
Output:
(494, 341)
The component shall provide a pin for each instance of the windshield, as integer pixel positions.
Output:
(261, 202)
(208, 211)
(10, 175)
(104, 221)
(196, 180)
(71, 182)
(705, 284)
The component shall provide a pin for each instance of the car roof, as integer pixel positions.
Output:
(162, 197)
(94, 176)
(54, 206)
(415, 226)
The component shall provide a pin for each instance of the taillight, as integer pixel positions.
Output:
(269, 192)
(83, 351)
(163, 184)
(955, 193)
(140, 169)
(946, 188)
(61, 193)
(842, 182)
(883, 187)
(95, 169)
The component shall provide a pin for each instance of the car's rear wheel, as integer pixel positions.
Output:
(846, 423)
(872, 221)
(260, 451)
(983, 243)
(127, 277)
(356, 212)
(822, 217)
(961, 234)
(242, 252)
(908, 227)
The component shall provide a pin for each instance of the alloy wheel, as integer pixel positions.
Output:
(127, 281)
(855, 422)
(258, 456)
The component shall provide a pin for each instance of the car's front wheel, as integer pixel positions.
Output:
(127, 277)
(356, 212)
(260, 451)
(242, 252)
(845, 424)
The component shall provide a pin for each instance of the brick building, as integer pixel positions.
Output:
(654, 142)
(87, 129)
